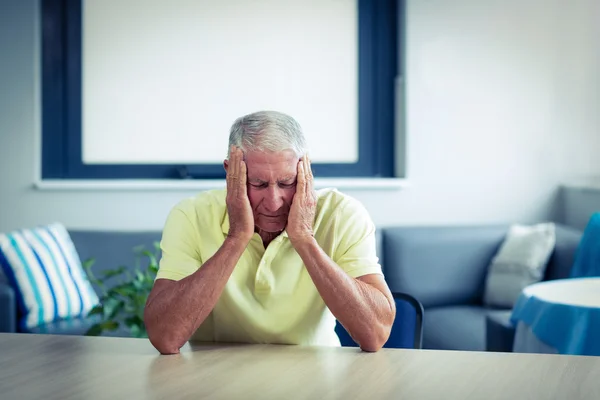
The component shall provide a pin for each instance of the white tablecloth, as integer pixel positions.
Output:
(527, 342)
(560, 316)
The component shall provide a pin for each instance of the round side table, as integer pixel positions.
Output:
(559, 316)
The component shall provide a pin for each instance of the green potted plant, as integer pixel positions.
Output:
(124, 293)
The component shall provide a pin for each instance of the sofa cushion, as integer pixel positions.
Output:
(520, 262)
(45, 272)
(455, 328)
(440, 265)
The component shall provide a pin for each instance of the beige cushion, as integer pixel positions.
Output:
(520, 261)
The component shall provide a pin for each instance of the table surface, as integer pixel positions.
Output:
(78, 367)
(579, 292)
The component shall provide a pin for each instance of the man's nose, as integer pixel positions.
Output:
(273, 199)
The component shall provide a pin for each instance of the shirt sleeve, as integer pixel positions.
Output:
(356, 249)
(179, 246)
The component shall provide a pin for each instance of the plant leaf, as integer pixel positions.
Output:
(124, 303)
(136, 326)
(135, 330)
(130, 309)
(95, 330)
(112, 306)
(153, 269)
(133, 321)
(137, 285)
(125, 290)
(110, 325)
(138, 331)
(109, 273)
(87, 264)
(150, 256)
(91, 277)
(98, 309)
(140, 276)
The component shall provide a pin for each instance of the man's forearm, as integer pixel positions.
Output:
(366, 312)
(173, 314)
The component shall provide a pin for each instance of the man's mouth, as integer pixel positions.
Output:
(274, 216)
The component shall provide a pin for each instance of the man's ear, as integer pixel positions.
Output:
(225, 164)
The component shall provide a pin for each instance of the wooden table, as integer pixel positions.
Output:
(73, 367)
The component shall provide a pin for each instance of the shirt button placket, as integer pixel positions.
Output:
(261, 283)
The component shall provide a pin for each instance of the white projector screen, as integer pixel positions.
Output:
(163, 80)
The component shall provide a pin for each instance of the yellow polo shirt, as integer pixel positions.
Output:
(270, 297)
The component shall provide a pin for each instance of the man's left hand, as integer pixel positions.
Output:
(304, 205)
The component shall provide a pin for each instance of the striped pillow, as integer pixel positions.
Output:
(45, 271)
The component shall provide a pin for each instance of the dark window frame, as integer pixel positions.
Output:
(378, 68)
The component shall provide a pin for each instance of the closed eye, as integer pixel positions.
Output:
(259, 185)
(263, 185)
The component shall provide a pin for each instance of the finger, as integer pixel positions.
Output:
(307, 176)
(230, 161)
(300, 184)
(310, 183)
(229, 169)
(235, 162)
(242, 190)
(308, 169)
(237, 178)
(242, 175)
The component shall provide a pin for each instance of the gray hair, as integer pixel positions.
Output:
(267, 131)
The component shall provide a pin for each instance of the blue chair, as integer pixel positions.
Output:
(407, 330)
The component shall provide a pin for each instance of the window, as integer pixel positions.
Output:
(121, 98)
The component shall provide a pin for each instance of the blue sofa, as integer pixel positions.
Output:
(443, 267)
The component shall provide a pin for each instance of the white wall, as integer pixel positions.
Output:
(502, 106)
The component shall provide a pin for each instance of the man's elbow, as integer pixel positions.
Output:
(372, 345)
(375, 340)
(165, 346)
(167, 350)
(378, 335)
(163, 341)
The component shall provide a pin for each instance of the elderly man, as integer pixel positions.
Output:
(268, 259)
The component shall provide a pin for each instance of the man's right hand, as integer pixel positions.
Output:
(241, 219)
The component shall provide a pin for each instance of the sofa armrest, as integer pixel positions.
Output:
(565, 251)
(500, 332)
(8, 309)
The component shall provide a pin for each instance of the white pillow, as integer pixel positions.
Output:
(521, 261)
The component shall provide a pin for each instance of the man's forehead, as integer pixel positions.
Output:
(260, 178)
(272, 166)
